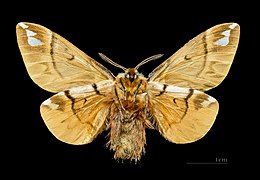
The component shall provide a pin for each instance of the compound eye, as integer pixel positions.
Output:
(127, 76)
(135, 76)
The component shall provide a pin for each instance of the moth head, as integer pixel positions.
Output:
(131, 74)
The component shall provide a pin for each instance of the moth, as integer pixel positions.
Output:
(89, 99)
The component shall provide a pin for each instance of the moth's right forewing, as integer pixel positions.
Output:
(53, 62)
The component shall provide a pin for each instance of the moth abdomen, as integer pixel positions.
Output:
(127, 137)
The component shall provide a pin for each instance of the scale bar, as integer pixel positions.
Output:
(206, 163)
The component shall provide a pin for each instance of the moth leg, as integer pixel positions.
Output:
(118, 99)
(148, 123)
(122, 83)
(136, 91)
(120, 112)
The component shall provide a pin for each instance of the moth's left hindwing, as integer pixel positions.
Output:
(183, 115)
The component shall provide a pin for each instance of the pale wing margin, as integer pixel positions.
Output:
(203, 62)
(183, 115)
(78, 115)
(54, 63)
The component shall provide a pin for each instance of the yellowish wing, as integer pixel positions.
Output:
(54, 63)
(203, 62)
(77, 116)
(183, 115)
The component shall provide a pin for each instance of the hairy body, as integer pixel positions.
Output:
(128, 119)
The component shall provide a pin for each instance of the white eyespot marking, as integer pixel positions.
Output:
(31, 40)
(34, 42)
(232, 26)
(209, 101)
(225, 40)
(226, 33)
(50, 104)
(30, 33)
(23, 25)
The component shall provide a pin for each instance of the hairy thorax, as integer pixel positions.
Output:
(128, 121)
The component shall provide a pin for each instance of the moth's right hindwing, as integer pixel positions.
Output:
(78, 115)
(54, 63)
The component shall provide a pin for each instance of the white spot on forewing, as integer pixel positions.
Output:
(23, 25)
(50, 104)
(209, 101)
(223, 41)
(232, 26)
(30, 33)
(226, 33)
(34, 42)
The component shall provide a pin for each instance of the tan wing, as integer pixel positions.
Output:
(54, 63)
(183, 115)
(77, 116)
(203, 62)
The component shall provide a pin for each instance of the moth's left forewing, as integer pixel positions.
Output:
(183, 115)
(203, 62)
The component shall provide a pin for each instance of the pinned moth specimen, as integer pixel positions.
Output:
(90, 99)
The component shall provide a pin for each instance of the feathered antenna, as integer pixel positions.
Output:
(105, 58)
(154, 57)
